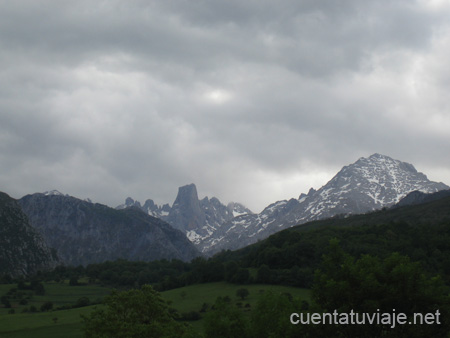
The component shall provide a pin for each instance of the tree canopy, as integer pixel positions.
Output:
(137, 313)
(372, 285)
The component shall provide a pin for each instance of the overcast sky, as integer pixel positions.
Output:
(253, 101)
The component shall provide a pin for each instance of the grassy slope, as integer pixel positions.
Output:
(191, 298)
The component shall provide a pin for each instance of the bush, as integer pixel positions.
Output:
(47, 306)
(205, 307)
(81, 302)
(243, 293)
(5, 301)
(192, 316)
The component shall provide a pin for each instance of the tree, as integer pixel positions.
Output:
(242, 276)
(270, 318)
(39, 289)
(83, 301)
(225, 321)
(231, 269)
(371, 285)
(5, 301)
(243, 293)
(264, 275)
(73, 281)
(47, 306)
(133, 314)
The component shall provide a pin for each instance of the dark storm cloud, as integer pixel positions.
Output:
(253, 101)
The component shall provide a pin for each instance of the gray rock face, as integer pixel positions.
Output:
(84, 233)
(198, 219)
(186, 213)
(368, 184)
(22, 249)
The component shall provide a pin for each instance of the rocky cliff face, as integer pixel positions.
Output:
(84, 233)
(368, 184)
(186, 213)
(22, 249)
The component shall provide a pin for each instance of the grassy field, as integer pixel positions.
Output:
(60, 294)
(191, 298)
(55, 323)
(43, 324)
(68, 323)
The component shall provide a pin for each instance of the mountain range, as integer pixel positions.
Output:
(82, 232)
(371, 183)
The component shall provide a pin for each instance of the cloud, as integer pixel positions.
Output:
(253, 101)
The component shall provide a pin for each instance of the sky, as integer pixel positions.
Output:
(253, 101)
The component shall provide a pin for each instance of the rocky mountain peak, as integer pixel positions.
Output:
(238, 209)
(129, 202)
(53, 193)
(368, 184)
(186, 213)
(386, 163)
(187, 194)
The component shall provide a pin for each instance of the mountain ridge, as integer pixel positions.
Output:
(368, 184)
(83, 232)
(365, 185)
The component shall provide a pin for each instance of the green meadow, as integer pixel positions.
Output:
(192, 298)
(68, 323)
(43, 324)
(53, 323)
